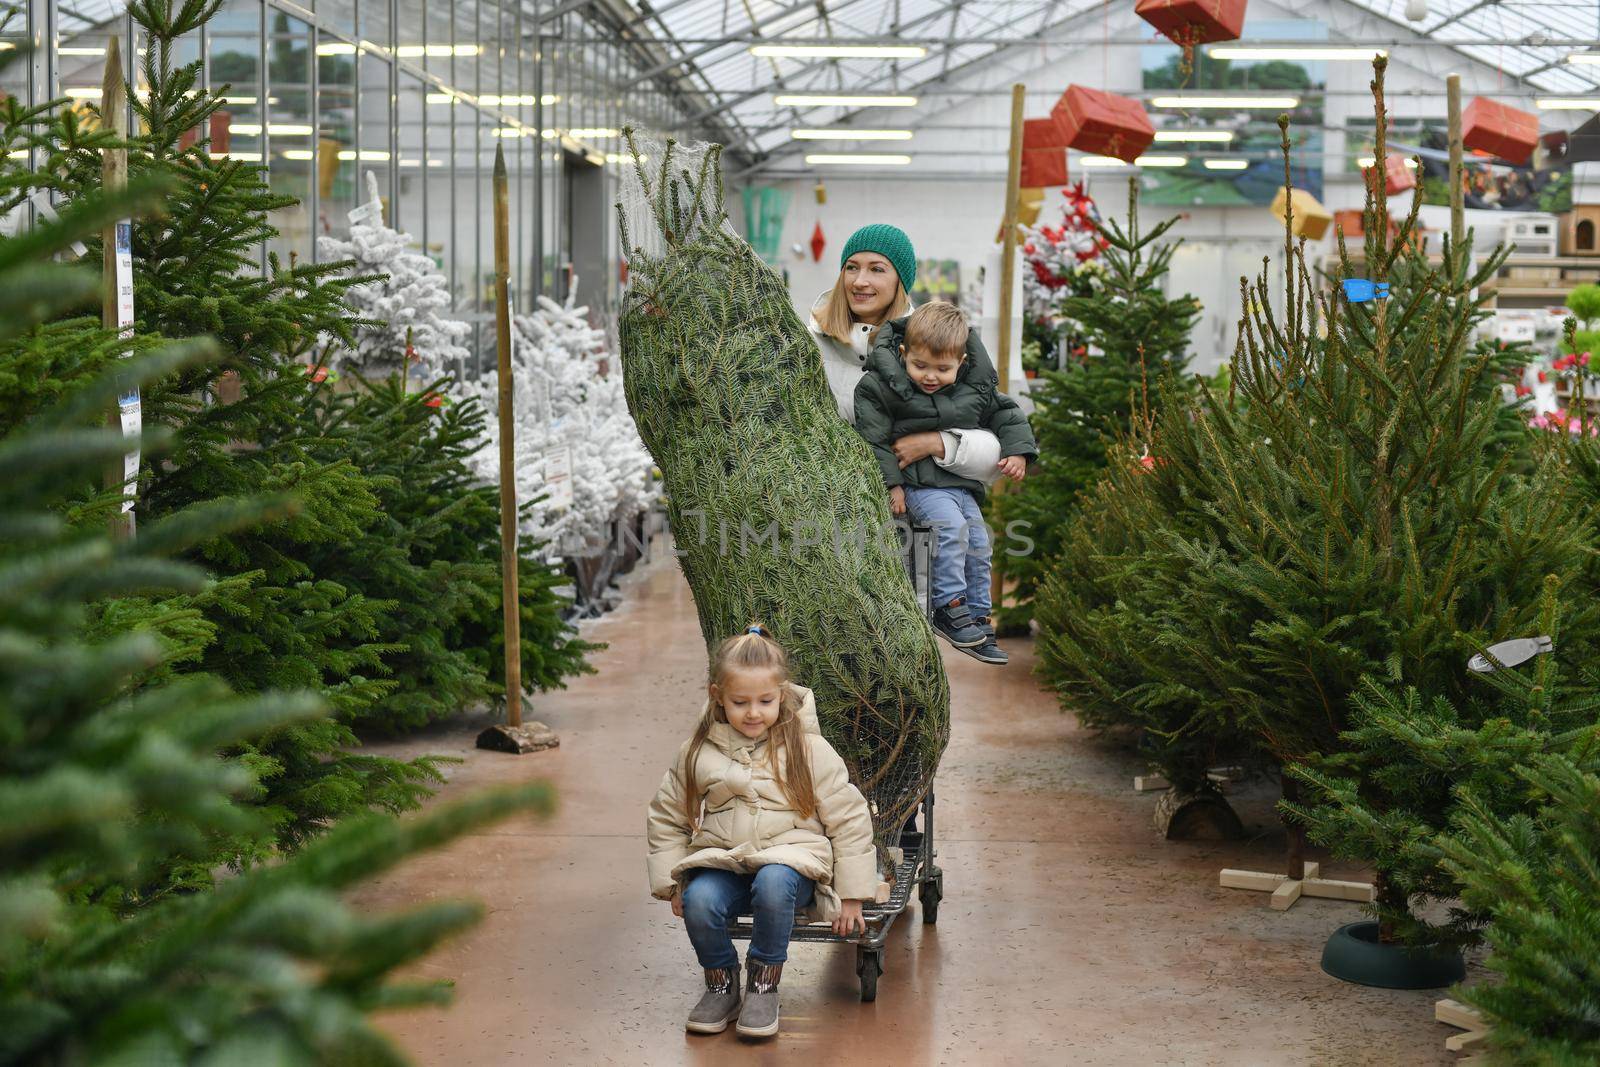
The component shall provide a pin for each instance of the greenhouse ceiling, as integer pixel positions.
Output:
(748, 58)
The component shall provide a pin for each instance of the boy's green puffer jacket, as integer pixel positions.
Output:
(889, 405)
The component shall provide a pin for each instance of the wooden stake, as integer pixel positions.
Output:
(1458, 212)
(114, 177)
(508, 484)
(1008, 278)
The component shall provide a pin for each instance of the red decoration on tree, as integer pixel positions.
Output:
(1490, 126)
(818, 243)
(318, 373)
(1042, 167)
(1104, 123)
(1187, 23)
(1397, 176)
(433, 400)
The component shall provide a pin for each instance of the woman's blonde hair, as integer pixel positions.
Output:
(836, 318)
(753, 651)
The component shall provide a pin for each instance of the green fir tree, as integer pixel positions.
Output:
(109, 773)
(1135, 338)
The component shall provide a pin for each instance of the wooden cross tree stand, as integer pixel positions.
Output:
(1301, 878)
(1474, 1031)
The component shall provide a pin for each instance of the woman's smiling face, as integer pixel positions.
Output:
(871, 284)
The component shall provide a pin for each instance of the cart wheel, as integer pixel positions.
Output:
(932, 893)
(869, 964)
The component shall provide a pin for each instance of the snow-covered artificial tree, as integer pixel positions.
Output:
(1059, 260)
(408, 310)
(564, 402)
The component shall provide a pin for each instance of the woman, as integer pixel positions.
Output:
(876, 274)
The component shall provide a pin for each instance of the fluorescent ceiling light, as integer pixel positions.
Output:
(1142, 161)
(411, 162)
(864, 160)
(825, 100)
(1568, 103)
(839, 51)
(276, 129)
(1227, 164)
(298, 153)
(1236, 103)
(594, 133)
(242, 157)
(1209, 136)
(82, 92)
(510, 131)
(1367, 161)
(1311, 52)
(845, 134)
(1590, 58)
(239, 101)
(336, 48)
(370, 154)
(436, 51)
(21, 153)
(80, 50)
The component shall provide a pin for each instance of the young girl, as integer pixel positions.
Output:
(757, 814)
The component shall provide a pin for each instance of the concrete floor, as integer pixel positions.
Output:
(1069, 934)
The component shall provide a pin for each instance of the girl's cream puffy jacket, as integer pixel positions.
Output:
(747, 822)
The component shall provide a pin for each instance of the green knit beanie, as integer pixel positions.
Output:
(891, 243)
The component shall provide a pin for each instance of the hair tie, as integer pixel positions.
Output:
(757, 630)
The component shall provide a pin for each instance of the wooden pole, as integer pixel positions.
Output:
(1008, 280)
(114, 177)
(508, 484)
(1458, 212)
(1008, 243)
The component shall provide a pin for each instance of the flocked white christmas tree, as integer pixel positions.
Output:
(565, 405)
(413, 301)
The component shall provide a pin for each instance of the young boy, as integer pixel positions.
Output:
(930, 372)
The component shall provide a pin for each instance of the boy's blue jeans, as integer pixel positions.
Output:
(962, 566)
(714, 896)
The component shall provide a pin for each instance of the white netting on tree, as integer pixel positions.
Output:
(567, 400)
(413, 302)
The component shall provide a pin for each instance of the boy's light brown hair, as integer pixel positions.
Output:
(938, 327)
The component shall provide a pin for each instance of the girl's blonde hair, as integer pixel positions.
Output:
(753, 651)
(836, 318)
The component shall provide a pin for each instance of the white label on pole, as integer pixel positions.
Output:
(558, 477)
(128, 404)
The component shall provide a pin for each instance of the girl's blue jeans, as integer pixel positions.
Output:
(962, 566)
(714, 896)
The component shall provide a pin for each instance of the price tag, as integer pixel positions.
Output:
(557, 465)
(370, 211)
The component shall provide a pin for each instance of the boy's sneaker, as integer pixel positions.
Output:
(989, 651)
(953, 622)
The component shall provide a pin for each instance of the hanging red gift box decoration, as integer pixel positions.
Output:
(1191, 22)
(1397, 175)
(221, 134)
(1490, 126)
(1042, 167)
(1104, 123)
(1187, 23)
(1043, 133)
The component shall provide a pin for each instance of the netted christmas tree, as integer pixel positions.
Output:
(776, 504)
(109, 773)
(408, 326)
(567, 403)
(1133, 338)
(1537, 875)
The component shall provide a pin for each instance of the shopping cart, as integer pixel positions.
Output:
(915, 871)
